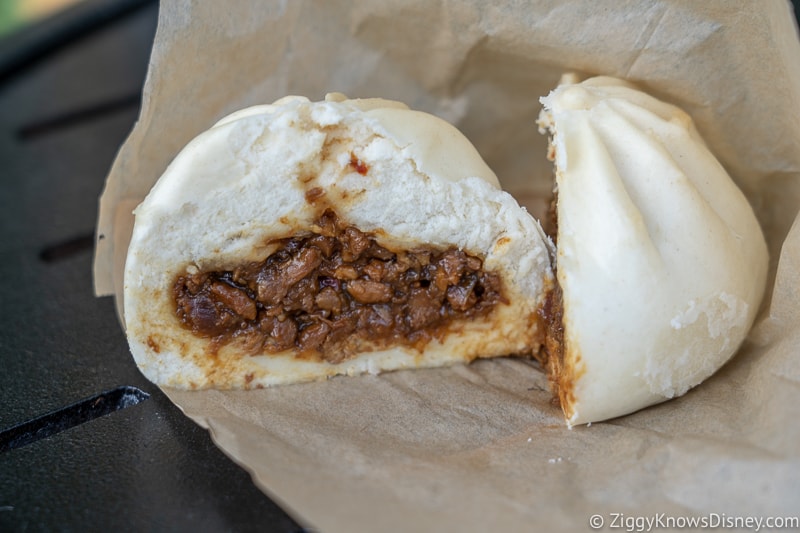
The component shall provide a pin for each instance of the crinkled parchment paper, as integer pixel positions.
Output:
(478, 446)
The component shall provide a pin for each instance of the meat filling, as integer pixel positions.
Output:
(331, 293)
(552, 352)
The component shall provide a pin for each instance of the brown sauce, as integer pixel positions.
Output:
(329, 293)
(553, 351)
(552, 317)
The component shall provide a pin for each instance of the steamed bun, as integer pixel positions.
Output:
(661, 261)
(407, 182)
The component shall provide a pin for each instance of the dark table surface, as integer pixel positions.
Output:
(69, 95)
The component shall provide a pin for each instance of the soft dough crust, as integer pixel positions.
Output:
(661, 261)
(244, 182)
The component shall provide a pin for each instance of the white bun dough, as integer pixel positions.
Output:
(244, 183)
(661, 261)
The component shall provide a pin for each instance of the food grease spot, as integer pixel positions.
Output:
(358, 164)
(153, 345)
(314, 193)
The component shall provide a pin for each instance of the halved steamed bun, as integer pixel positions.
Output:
(661, 262)
(302, 240)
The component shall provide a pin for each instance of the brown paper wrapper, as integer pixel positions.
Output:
(482, 446)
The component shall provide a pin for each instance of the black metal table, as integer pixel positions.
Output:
(69, 94)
